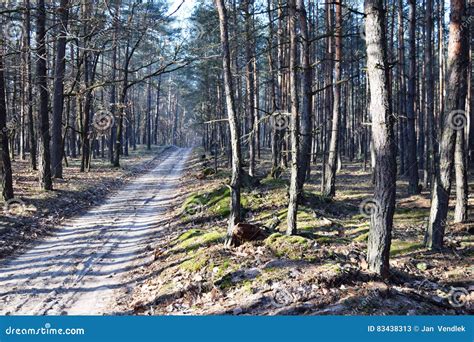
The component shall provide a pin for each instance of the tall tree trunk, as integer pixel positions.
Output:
(383, 139)
(45, 180)
(456, 90)
(412, 167)
(235, 182)
(307, 98)
(331, 166)
(123, 100)
(460, 167)
(6, 183)
(57, 147)
(402, 122)
(250, 85)
(157, 114)
(277, 131)
(148, 115)
(294, 123)
(429, 88)
(29, 89)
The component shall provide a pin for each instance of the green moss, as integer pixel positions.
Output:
(410, 215)
(361, 228)
(189, 234)
(225, 282)
(292, 247)
(247, 286)
(274, 183)
(328, 240)
(362, 237)
(196, 263)
(215, 202)
(208, 171)
(225, 266)
(197, 238)
(400, 247)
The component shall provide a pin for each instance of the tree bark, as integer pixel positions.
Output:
(412, 167)
(383, 140)
(250, 85)
(29, 88)
(402, 122)
(45, 180)
(456, 90)
(429, 88)
(307, 98)
(57, 147)
(6, 183)
(460, 167)
(234, 126)
(331, 166)
(294, 123)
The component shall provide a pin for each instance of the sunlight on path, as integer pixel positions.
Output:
(80, 269)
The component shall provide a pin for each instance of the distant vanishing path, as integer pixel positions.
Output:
(81, 269)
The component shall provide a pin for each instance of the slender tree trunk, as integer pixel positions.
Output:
(460, 167)
(148, 116)
(235, 182)
(249, 77)
(6, 183)
(157, 114)
(402, 91)
(294, 124)
(307, 98)
(331, 166)
(412, 167)
(42, 84)
(57, 147)
(456, 90)
(429, 88)
(29, 89)
(276, 93)
(383, 140)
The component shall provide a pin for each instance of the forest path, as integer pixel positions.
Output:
(81, 269)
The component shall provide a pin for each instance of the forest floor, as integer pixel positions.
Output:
(79, 268)
(320, 271)
(34, 214)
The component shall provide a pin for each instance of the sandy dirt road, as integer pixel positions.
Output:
(82, 269)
